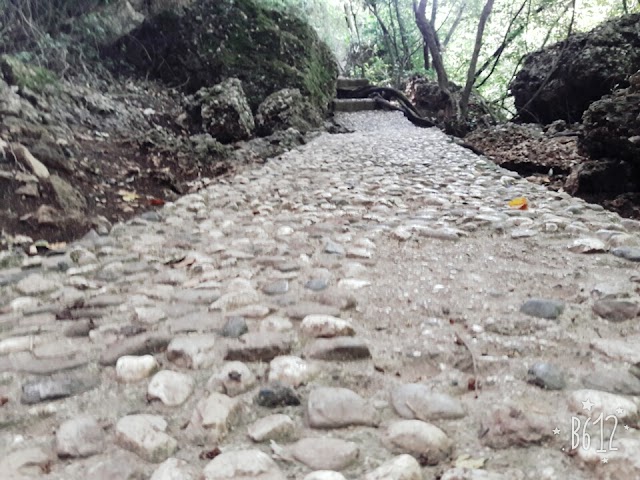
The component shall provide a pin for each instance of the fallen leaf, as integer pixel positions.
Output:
(466, 461)
(210, 454)
(3, 400)
(128, 196)
(519, 203)
(156, 202)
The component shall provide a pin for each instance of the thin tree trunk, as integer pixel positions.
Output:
(430, 39)
(454, 25)
(403, 37)
(385, 31)
(466, 93)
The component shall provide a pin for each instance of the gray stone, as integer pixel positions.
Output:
(417, 401)
(616, 310)
(543, 308)
(277, 395)
(507, 426)
(628, 253)
(547, 376)
(317, 284)
(258, 347)
(137, 345)
(614, 381)
(57, 386)
(338, 349)
(234, 327)
(79, 437)
(69, 199)
(338, 407)
(334, 248)
(278, 287)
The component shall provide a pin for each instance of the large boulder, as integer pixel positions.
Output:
(432, 102)
(575, 73)
(202, 44)
(612, 124)
(611, 138)
(223, 111)
(284, 109)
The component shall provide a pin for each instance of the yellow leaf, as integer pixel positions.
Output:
(128, 196)
(465, 461)
(520, 203)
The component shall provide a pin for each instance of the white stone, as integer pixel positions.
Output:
(79, 437)
(402, 467)
(233, 379)
(36, 284)
(171, 388)
(21, 304)
(290, 370)
(324, 453)
(326, 326)
(353, 283)
(144, 435)
(275, 324)
(330, 407)
(588, 245)
(131, 368)
(18, 344)
(419, 438)
(149, 315)
(235, 300)
(215, 414)
(273, 427)
(243, 465)
(325, 475)
(195, 352)
(175, 469)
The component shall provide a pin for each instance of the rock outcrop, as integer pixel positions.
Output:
(284, 109)
(222, 111)
(211, 40)
(561, 81)
(611, 138)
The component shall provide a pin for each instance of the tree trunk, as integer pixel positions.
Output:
(471, 73)
(408, 64)
(430, 39)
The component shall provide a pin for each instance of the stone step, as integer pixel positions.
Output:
(354, 105)
(351, 83)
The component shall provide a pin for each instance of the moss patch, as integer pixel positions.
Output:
(16, 72)
(217, 39)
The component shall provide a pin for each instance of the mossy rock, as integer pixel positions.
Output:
(15, 72)
(212, 40)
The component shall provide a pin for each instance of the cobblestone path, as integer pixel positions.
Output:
(368, 307)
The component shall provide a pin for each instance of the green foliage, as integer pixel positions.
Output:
(526, 25)
(17, 72)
